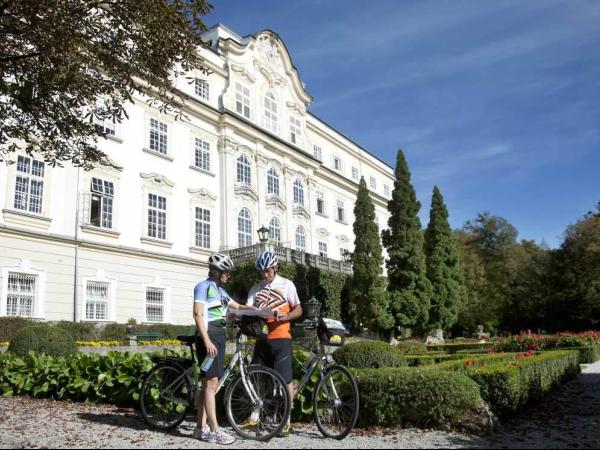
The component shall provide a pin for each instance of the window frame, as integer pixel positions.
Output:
(105, 198)
(23, 199)
(245, 235)
(202, 228)
(202, 89)
(273, 184)
(243, 104)
(150, 208)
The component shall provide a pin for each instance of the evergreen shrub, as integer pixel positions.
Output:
(369, 355)
(52, 341)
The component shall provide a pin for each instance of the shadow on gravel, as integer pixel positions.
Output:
(134, 421)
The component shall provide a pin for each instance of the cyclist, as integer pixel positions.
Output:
(210, 309)
(279, 294)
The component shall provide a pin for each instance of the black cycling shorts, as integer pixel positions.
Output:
(276, 354)
(217, 368)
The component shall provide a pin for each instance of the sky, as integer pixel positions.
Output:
(496, 102)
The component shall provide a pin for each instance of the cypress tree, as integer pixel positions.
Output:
(368, 297)
(408, 285)
(443, 270)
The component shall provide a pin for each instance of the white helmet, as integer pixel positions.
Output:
(266, 260)
(220, 262)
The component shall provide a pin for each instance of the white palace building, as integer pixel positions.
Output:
(132, 241)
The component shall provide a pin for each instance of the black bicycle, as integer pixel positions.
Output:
(171, 390)
(335, 397)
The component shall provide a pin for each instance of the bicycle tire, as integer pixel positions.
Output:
(273, 415)
(161, 409)
(343, 416)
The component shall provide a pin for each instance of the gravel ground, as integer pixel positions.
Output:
(569, 418)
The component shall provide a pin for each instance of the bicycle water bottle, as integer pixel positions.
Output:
(207, 363)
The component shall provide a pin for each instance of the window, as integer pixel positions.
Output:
(96, 301)
(105, 126)
(270, 113)
(320, 203)
(157, 217)
(386, 190)
(323, 249)
(340, 211)
(158, 136)
(295, 131)
(155, 305)
(272, 182)
(202, 155)
(373, 183)
(300, 239)
(318, 152)
(21, 293)
(244, 175)
(242, 100)
(354, 173)
(298, 193)
(244, 229)
(275, 231)
(201, 87)
(337, 163)
(202, 228)
(29, 188)
(101, 210)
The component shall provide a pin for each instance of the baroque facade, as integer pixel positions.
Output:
(131, 241)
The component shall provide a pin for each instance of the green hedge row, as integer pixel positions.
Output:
(587, 355)
(85, 331)
(370, 355)
(509, 382)
(454, 348)
(410, 396)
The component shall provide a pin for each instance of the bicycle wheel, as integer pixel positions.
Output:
(271, 411)
(336, 403)
(166, 397)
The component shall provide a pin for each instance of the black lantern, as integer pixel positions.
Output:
(347, 256)
(263, 234)
(313, 309)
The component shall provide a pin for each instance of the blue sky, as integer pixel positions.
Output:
(496, 102)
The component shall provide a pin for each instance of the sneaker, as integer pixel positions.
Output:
(220, 437)
(201, 433)
(287, 430)
(249, 424)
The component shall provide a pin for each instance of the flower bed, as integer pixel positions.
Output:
(531, 341)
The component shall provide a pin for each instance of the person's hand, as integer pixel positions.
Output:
(282, 317)
(211, 349)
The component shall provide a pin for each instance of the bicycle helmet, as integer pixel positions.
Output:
(266, 260)
(220, 262)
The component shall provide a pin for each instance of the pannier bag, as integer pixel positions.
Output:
(255, 327)
(332, 332)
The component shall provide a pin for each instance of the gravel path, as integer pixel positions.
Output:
(569, 418)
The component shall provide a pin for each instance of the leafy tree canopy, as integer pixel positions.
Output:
(65, 63)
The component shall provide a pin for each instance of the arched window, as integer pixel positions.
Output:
(300, 239)
(273, 182)
(244, 175)
(244, 228)
(271, 112)
(298, 193)
(275, 230)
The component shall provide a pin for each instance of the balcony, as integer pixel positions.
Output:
(289, 255)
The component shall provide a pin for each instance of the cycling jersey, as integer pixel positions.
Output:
(216, 301)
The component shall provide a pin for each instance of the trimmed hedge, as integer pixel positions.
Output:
(411, 396)
(453, 348)
(411, 347)
(52, 341)
(508, 382)
(369, 355)
(587, 355)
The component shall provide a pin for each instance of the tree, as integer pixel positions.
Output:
(443, 268)
(65, 64)
(410, 290)
(368, 297)
(577, 269)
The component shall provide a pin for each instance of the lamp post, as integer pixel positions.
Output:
(263, 237)
(347, 256)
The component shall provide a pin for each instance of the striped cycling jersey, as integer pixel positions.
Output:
(279, 295)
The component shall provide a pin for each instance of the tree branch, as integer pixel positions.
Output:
(18, 58)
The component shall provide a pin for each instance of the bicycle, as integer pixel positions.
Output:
(171, 390)
(335, 397)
